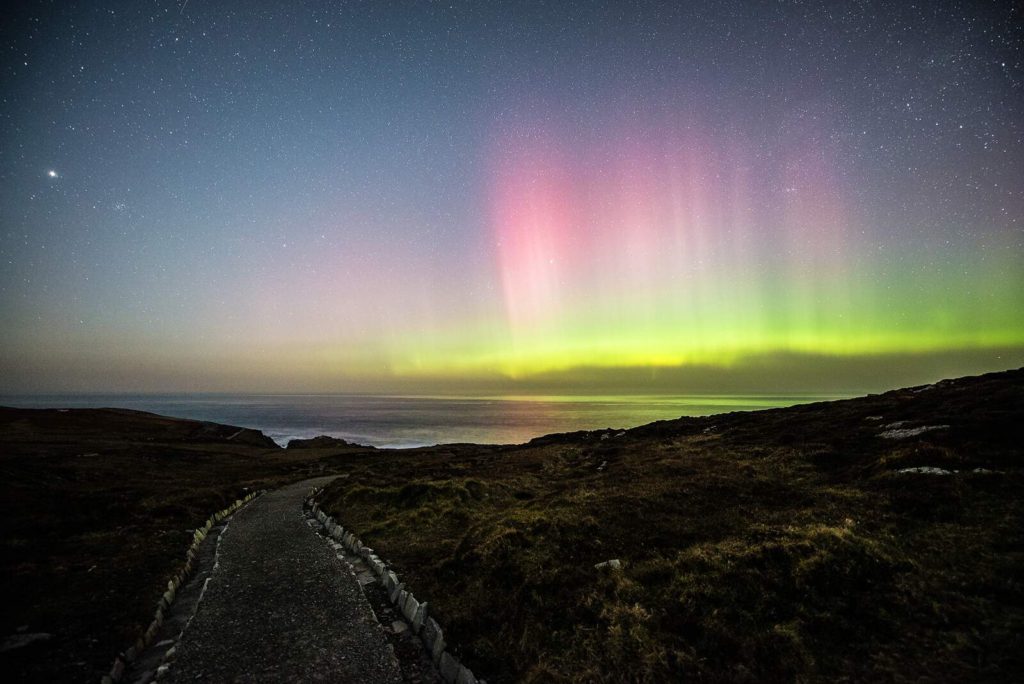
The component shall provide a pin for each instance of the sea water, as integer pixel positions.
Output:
(409, 421)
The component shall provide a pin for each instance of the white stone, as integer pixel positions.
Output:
(925, 470)
(410, 606)
(613, 564)
(418, 617)
(903, 433)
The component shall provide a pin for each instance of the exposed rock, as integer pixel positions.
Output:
(321, 442)
(433, 637)
(208, 431)
(902, 433)
(410, 606)
(418, 617)
(613, 564)
(449, 667)
(465, 676)
(926, 470)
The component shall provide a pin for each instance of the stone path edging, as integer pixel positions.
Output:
(129, 655)
(415, 612)
(282, 608)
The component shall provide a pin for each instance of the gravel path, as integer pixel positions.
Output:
(281, 608)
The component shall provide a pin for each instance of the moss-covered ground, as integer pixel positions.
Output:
(780, 545)
(97, 509)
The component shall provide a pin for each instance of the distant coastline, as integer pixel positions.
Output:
(413, 421)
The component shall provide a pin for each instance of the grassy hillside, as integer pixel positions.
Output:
(778, 545)
(97, 508)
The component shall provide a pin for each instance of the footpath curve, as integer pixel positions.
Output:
(280, 607)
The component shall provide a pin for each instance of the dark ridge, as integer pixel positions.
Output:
(117, 423)
(323, 442)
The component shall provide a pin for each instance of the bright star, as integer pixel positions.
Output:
(51, 173)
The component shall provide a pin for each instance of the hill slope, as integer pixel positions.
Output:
(97, 507)
(800, 543)
(775, 545)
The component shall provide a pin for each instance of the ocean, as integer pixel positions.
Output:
(411, 421)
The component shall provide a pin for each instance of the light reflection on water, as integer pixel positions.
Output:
(407, 421)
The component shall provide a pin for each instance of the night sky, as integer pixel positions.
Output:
(553, 196)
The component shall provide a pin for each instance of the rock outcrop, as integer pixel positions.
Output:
(320, 442)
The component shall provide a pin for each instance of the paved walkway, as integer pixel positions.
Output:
(281, 608)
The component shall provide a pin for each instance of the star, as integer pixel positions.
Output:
(51, 173)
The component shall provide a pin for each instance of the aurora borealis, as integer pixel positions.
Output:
(423, 197)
